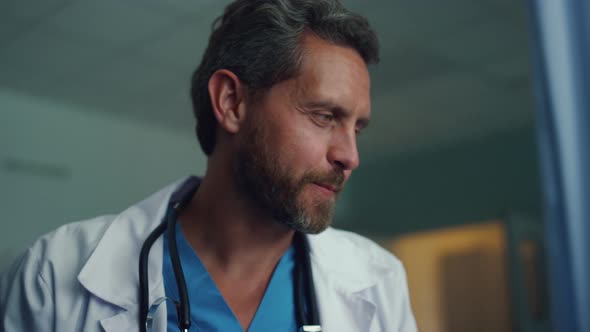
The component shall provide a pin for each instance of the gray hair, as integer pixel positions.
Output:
(260, 42)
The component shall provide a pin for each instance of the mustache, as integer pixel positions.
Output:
(334, 178)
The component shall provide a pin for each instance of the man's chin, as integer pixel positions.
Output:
(314, 226)
(317, 230)
(320, 215)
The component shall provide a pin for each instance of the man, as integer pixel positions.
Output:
(280, 96)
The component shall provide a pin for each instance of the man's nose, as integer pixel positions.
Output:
(343, 152)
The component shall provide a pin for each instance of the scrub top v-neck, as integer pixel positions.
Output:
(210, 312)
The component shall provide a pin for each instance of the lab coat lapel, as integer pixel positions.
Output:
(341, 307)
(120, 322)
(342, 289)
(127, 320)
(108, 273)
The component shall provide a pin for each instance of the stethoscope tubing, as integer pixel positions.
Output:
(184, 310)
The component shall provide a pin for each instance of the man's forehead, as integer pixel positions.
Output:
(329, 55)
(333, 74)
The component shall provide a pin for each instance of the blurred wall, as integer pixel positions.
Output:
(59, 164)
(472, 180)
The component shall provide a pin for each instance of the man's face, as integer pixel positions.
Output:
(298, 147)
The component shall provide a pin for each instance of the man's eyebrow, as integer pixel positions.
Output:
(361, 122)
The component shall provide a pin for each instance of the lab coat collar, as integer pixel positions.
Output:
(118, 252)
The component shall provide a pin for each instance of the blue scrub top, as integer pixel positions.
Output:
(210, 312)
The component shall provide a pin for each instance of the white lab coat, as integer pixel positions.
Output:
(84, 277)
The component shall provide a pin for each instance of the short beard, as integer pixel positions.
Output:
(259, 175)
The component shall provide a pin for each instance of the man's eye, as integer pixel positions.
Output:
(323, 119)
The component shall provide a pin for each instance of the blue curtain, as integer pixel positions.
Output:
(561, 56)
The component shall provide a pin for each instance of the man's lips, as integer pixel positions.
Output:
(329, 187)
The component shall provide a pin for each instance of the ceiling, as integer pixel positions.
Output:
(451, 70)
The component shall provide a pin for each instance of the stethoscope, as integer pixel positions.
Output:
(303, 279)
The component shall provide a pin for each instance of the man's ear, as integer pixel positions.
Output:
(226, 92)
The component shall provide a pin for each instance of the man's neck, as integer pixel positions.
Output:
(229, 234)
(239, 245)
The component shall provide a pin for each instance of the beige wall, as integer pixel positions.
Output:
(457, 277)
